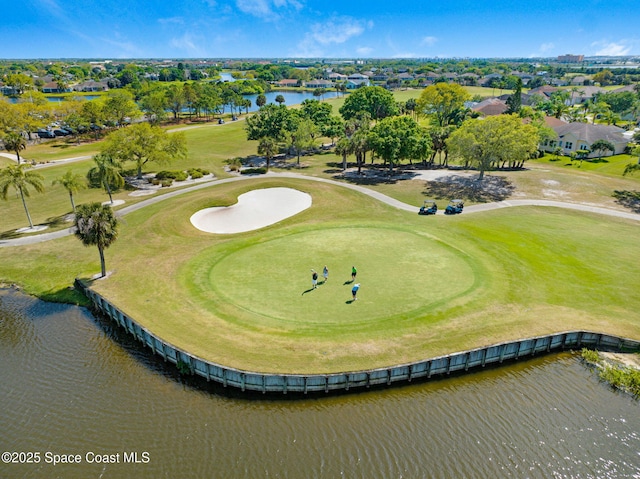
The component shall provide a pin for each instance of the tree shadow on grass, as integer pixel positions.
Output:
(372, 175)
(628, 199)
(490, 189)
(54, 222)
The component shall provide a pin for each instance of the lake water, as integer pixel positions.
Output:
(73, 384)
(290, 98)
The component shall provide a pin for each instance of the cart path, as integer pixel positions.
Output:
(27, 240)
(26, 161)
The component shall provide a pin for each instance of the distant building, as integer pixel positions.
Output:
(319, 84)
(570, 58)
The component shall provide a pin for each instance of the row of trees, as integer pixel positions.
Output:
(371, 121)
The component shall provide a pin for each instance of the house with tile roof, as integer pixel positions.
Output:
(490, 107)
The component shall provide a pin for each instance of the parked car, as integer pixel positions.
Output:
(61, 132)
(42, 133)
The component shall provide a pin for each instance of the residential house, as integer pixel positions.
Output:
(91, 85)
(544, 91)
(580, 136)
(53, 87)
(356, 80)
(337, 77)
(585, 93)
(289, 82)
(319, 84)
(7, 90)
(490, 107)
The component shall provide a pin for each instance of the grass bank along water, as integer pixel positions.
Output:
(397, 374)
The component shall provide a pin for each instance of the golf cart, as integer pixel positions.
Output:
(428, 208)
(454, 207)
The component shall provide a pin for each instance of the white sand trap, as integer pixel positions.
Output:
(255, 209)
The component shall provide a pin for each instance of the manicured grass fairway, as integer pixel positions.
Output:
(430, 285)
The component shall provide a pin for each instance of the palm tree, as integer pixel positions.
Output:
(107, 173)
(268, 147)
(600, 146)
(261, 100)
(344, 147)
(96, 225)
(20, 178)
(72, 183)
(280, 99)
(15, 142)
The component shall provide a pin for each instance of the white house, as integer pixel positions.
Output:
(580, 136)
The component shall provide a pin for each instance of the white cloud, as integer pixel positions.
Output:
(364, 51)
(188, 43)
(127, 49)
(266, 8)
(429, 41)
(337, 30)
(334, 31)
(611, 48)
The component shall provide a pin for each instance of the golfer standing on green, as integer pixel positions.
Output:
(325, 273)
(354, 290)
(314, 278)
(354, 271)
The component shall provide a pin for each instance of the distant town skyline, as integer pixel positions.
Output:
(313, 29)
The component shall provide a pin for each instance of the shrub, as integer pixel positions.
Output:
(590, 356)
(234, 164)
(174, 175)
(167, 182)
(254, 171)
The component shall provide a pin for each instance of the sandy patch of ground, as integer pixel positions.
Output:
(551, 182)
(114, 203)
(554, 193)
(629, 360)
(255, 209)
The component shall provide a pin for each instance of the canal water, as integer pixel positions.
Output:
(74, 388)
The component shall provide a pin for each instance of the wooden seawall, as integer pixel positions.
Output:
(345, 381)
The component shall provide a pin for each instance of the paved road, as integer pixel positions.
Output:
(373, 194)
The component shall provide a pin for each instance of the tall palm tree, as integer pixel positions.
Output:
(72, 182)
(18, 177)
(96, 225)
(15, 142)
(107, 173)
(268, 147)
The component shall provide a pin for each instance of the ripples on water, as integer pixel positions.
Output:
(72, 384)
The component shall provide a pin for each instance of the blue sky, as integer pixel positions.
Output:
(311, 28)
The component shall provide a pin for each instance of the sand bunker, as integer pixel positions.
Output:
(255, 209)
